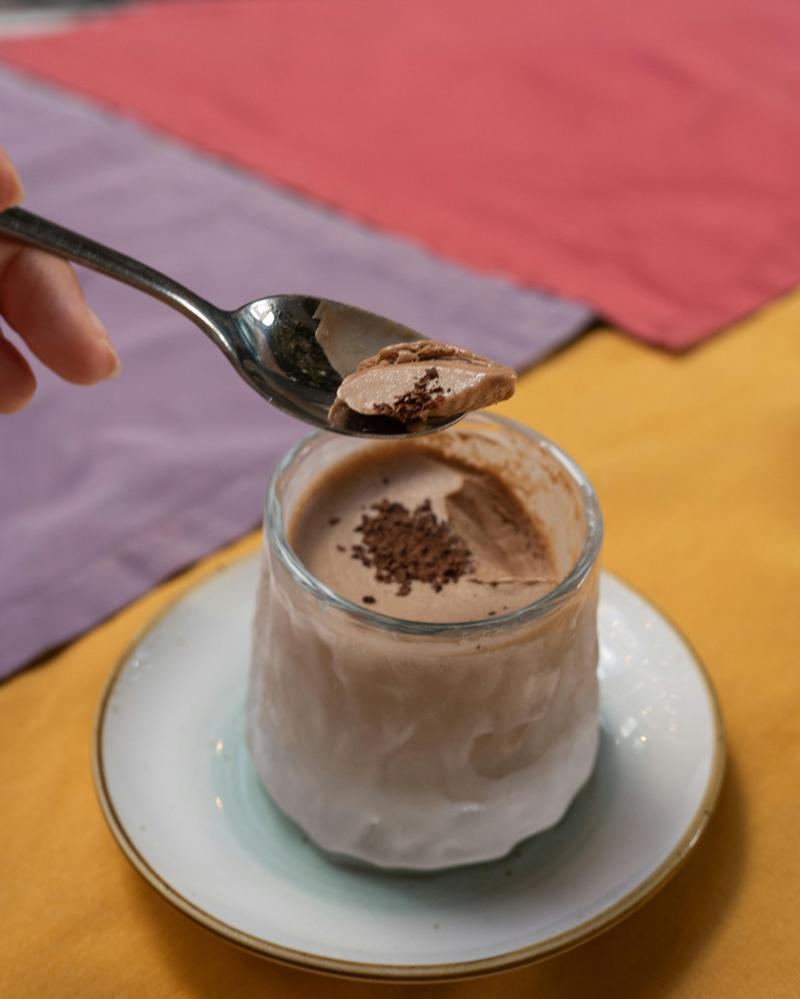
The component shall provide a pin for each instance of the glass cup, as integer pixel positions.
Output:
(424, 745)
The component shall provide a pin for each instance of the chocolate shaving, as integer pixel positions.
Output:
(404, 547)
(414, 404)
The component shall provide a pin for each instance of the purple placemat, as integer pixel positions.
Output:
(105, 491)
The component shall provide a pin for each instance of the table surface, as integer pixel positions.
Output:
(695, 459)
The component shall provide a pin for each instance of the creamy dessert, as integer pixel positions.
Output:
(416, 536)
(419, 381)
(423, 688)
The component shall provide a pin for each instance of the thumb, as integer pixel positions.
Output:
(10, 185)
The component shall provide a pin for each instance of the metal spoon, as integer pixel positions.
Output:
(293, 350)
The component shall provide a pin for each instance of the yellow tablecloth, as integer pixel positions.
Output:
(697, 463)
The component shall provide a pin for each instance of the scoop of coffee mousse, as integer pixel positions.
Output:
(419, 381)
(420, 538)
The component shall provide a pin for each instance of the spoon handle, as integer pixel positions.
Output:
(46, 235)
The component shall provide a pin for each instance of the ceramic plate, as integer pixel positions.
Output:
(183, 800)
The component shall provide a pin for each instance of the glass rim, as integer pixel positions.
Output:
(275, 534)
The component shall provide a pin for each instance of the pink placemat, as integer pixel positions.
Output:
(640, 157)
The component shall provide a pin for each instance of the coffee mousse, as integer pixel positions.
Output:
(420, 381)
(416, 536)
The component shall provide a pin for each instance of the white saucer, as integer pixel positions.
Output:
(181, 797)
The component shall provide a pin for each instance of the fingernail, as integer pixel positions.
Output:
(116, 369)
(102, 335)
(97, 326)
(14, 194)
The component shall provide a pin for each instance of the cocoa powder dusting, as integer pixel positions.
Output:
(405, 547)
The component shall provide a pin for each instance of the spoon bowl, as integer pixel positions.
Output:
(294, 350)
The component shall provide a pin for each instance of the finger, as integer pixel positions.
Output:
(10, 185)
(17, 382)
(43, 301)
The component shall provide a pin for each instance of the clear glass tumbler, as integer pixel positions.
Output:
(424, 745)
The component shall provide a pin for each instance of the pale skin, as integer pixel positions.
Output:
(42, 301)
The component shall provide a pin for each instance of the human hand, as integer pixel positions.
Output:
(41, 299)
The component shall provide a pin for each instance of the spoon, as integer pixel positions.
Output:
(294, 350)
